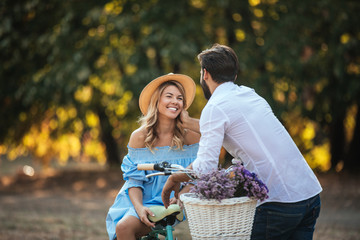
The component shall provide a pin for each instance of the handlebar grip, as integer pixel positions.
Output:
(146, 166)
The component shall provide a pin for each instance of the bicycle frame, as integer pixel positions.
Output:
(167, 232)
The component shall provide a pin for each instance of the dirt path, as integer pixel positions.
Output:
(73, 205)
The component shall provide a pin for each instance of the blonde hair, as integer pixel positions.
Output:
(150, 120)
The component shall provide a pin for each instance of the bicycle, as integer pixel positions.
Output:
(164, 218)
(164, 168)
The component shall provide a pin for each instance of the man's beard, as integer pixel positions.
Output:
(205, 89)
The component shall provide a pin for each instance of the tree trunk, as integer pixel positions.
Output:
(352, 161)
(337, 141)
(112, 150)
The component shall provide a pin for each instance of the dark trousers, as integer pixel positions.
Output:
(286, 221)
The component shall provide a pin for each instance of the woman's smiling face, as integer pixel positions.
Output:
(171, 102)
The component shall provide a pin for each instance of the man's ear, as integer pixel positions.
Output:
(205, 74)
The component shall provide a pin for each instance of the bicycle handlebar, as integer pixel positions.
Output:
(163, 168)
(145, 166)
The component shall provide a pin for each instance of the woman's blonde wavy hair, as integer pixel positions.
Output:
(150, 120)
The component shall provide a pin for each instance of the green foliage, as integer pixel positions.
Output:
(96, 56)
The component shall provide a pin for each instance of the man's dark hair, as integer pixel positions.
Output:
(221, 62)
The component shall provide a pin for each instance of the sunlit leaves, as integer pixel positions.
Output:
(240, 35)
(66, 63)
(85, 52)
(345, 38)
(198, 3)
(319, 157)
(254, 3)
(94, 150)
(114, 7)
(74, 143)
(67, 146)
(353, 68)
(130, 69)
(83, 94)
(91, 119)
(350, 122)
(123, 103)
(237, 17)
(258, 13)
(39, 74)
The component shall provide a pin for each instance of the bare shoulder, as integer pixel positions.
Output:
(191, 137)
(137, 138)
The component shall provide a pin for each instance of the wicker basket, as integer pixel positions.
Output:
(229, 219)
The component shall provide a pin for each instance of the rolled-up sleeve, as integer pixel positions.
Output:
(213, 123)
(134, 177)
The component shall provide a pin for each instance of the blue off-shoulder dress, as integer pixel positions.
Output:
(152, 187)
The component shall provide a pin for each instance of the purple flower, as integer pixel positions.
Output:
(227, 183)
(248, 184)
(215, 185)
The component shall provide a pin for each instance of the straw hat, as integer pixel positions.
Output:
(186, 81)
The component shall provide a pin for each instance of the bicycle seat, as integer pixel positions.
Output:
(161, 212)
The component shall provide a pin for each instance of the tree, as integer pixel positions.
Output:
(51, 60)
(76, 68)
(322, 43)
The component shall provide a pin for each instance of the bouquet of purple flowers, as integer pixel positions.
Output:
(228, 183)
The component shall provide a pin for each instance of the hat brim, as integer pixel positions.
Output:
(186, 81)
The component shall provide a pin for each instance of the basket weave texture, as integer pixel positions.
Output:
(229, 219)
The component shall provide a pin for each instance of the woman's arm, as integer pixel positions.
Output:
(189, 122)
(136, 197)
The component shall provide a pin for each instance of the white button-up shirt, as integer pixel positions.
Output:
(237, 118)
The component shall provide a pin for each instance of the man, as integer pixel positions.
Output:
(240, 120)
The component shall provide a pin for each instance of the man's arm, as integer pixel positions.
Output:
(173, 184)
(208, 154)
(213, 123)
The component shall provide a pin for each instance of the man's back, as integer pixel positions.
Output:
(252, 133)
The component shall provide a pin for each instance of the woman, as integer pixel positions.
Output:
(161, 137)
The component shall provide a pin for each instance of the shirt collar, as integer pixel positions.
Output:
(221, 88)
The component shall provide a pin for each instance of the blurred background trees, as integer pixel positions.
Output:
(71, 71)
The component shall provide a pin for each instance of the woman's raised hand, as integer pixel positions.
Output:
(189, 122)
